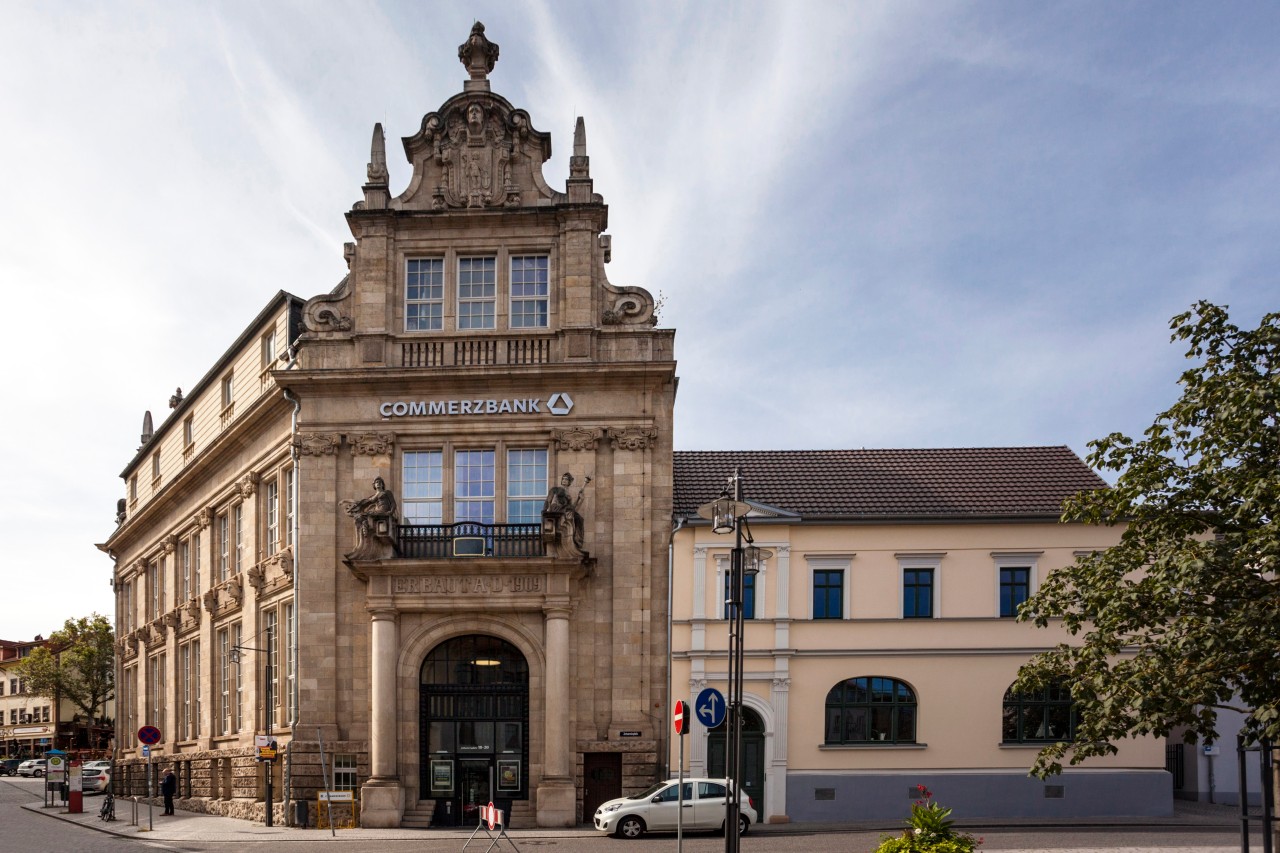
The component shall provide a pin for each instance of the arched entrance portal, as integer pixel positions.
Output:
(474, 727)
(752, 756)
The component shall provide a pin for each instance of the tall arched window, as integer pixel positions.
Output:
(1045, 716)
(871, 709)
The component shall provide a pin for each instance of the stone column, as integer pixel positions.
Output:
(382, 797)
(556, 795)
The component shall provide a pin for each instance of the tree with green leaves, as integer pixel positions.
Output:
(1182, 617)
(77, 664)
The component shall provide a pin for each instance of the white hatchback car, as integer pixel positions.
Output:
(655, 809)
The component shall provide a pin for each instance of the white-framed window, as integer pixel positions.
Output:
(269, 350)
(477, 292)
(921, 586)
(272, 665)
(224, 547)
(237, 524)
(288, 508)
(155, 581)
(529, 292)
(238, 703)
(189, 672)
(157, 690)
(829, 583)
(344, 772)
(224, 680)
(155, 467)
(423, 501)
(189, 431)
(228, 386)
(271, 496)
(291, 665)
(1016, 580)
(184, 563)
(526, 485)
(195, 564)
(424, 295)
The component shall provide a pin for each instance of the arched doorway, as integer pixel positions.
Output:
(752, 756)
(474, 736)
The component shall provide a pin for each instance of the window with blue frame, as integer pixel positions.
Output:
(1015, 588)
(526, 485)
(917, 593)
(828, 594)
(473, 486)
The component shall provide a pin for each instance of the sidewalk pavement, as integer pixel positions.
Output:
(191, 826)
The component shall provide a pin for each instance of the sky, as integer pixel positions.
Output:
(872, 224)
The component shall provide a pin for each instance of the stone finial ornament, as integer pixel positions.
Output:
(477, 54)
(378, 157)
(148, 430)
(176, 399)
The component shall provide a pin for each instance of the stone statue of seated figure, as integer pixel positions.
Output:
(375, 518)
(562, 513)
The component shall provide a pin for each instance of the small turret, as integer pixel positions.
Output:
(376, 192)
(579, 183)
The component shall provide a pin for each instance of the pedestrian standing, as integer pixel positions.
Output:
(169, 787)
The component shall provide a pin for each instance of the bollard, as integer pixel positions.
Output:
(134, 820)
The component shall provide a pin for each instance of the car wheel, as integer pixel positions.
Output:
(38, 773)
(743, 825)
(630, 827)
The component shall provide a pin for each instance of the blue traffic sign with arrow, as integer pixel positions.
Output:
(710, 707)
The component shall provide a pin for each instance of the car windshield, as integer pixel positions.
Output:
(648, 792)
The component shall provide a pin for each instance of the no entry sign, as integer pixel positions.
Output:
(681, 718)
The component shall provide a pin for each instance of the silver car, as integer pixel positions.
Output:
(32, 767)
(656, 809)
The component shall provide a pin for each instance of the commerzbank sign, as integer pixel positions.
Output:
(559, 403)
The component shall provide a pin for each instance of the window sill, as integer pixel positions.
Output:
(838, 747)
(1036, 745)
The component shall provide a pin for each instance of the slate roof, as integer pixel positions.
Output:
(926, 484)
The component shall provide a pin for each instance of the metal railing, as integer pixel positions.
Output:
(469, 540)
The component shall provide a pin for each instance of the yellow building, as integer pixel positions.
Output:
(418, 521)
(880, 642)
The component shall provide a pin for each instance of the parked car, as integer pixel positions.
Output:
(9, 766)
(655, 809)
(95, 780)
(105, 765)
(32, 767)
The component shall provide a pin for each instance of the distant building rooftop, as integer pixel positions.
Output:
(966, 483)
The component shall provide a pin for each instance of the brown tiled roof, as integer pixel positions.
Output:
(959, 483)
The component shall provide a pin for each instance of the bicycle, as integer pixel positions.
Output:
(108, 810)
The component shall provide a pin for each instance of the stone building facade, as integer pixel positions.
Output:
(432, 512)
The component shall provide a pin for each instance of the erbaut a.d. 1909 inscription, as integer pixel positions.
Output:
(484, 585)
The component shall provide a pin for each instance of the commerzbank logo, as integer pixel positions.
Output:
(558, 404)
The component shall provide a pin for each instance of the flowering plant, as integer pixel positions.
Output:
(929, 830)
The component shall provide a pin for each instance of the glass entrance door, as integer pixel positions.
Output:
(475, 788)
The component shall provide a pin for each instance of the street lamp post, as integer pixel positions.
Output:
(268, 712)
(728, 514)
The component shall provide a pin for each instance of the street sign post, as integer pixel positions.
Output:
(149, 736)
(710, 707)
(680, 720)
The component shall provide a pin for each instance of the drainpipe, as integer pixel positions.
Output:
(297, 546)
(677, 524)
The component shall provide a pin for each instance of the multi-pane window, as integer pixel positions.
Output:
(157, 690)
(189, 431)
(344, 772)
(238, 528)
(529, 292)
(133, 487)
(477, 291)
(272, 498)
(224, 680)
(526, 485)
(917, 593)
(228, 390)
(155, 465)
(239, 683)
(424, 295)
(828, 594)
(291, 665)
(155, 581)
(1015, 588)
(423, 487)
(189, 725)
(272, 665)
(288, 508)
(195, 564)
(224, 547)
(870, 709)
(184, 568)
(269, 350)
(473, 486)
(1045, 716)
